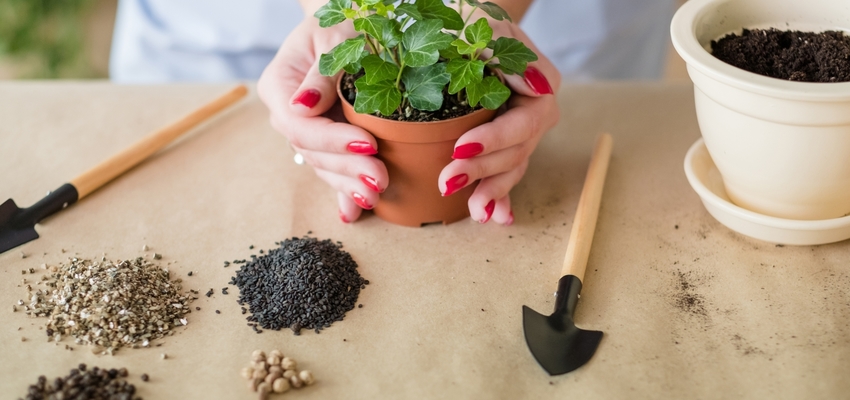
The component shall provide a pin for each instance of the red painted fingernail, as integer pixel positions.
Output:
(489, 210)
(361, 201)
(342, 218)
(370, 182)
(537, 81)
(308, 98)
(362, 148)
(456, 183)
(510, 219)
(467, 150)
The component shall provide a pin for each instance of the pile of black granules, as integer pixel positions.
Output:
(82, 383)
(305, 283)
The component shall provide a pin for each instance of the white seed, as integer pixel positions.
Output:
(289, 373)
(275, 369)
(276, 353)
(288, 363)
(164, 356)
(272, 360)
(270, 378)
(295, 381)
(258, 355)
(280, 385)
(264, 390)
(247, 373)
(253, 383)
(307, 377)
(260, 365)
(260, 373)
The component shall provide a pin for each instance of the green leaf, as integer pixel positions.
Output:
(436, 9)
(349, 13)
(492, 9)
(345, 53)
(490, 92)
(450, 53)
(332, 13)
(479, 32)
(378, 70)
(367, 3)
(352, 68)
(466, 48)
(379, 28)
(464, 72)
(513, 55)
(326, 64)
(410, 10)
(383, 10)
(423, 41)
(383, 97)
(424, 86)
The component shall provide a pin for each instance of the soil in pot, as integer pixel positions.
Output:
(789, 55)
(452, 107)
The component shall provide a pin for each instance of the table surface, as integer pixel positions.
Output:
(442, 315)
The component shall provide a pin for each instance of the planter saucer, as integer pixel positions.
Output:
(707, 182)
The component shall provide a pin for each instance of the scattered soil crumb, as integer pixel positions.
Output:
(744, 347)
(686, 297)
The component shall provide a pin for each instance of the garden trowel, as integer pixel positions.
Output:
(555, 341)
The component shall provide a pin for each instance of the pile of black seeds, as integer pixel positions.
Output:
(83, 383)
(789, 55)
(305, 283)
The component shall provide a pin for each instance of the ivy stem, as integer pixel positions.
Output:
(466, 21)
(372, 45)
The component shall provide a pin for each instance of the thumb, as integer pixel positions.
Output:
(316, 95)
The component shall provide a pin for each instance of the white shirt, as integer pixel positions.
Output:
(222, 40)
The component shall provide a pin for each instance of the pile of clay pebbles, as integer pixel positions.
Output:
(83, 383)
(305, 283)
(108, 304)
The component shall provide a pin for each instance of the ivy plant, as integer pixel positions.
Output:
(412, 51)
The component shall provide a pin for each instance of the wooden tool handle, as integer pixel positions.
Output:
(584, 222)
(119, 163)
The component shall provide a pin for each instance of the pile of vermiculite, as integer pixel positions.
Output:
(109, 304)
(303, 284)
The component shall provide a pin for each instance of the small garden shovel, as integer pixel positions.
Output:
(17, 225)
(555, 341)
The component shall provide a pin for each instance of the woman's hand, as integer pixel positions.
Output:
(496, 153)
(300, 100)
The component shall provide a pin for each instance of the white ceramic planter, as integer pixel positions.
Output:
(782, 148)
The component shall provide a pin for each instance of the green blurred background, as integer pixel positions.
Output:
(48, 39)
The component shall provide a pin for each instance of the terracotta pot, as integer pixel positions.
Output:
(415, 153)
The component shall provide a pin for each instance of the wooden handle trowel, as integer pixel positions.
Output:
(555, 341)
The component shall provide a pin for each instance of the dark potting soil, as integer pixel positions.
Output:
(84, 383)
(305, 283)
(789, 55)
(452, 106)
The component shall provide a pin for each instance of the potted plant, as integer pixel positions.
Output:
(420, 75)
(782, 147)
